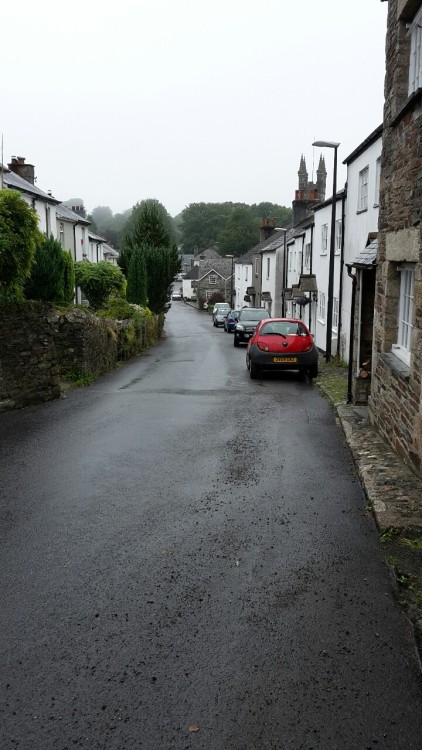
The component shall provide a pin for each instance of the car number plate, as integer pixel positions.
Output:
(285, 359)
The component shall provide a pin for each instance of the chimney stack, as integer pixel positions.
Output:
(26, 171)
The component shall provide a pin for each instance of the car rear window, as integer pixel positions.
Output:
(253, 314)
(283, 328)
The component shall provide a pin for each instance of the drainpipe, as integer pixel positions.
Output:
(310, 271)
(352, 333)
(340, 292)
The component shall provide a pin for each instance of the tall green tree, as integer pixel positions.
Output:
(19, 237)
(68, 277)
(46, 281)
(137, 277)
(241, 232)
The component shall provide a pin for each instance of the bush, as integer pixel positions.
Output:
(99, 281)
(19, 237)
(46, 281)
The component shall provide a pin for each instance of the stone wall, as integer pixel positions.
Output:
(85, 343)
(29, 371)
(396, 398)
(40, 346)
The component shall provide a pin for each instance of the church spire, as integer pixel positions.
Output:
(321, 178)
(303, 174)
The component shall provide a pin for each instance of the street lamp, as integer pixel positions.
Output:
(331, 144)
(231, 281)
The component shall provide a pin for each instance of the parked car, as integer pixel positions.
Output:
(282, 344)
(220, 310)
(230, 320)
(176, 295)
(248, 319)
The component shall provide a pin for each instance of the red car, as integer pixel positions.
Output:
(282, 344)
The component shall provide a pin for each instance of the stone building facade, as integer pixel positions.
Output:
(396, 400)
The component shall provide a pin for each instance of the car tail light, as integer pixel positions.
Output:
(307, 346)
(262, 347)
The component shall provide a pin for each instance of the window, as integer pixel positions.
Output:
(268, 267)
(61, 234)
(339, 232)
(256, 266)
(212, 279)
(405, 313)
(377, 181)
(238, 272)
(324, 239)
(307, 260)
(321, 306)
(363, 190)
(290, 259)
(335, 313)
(209, 293)
(415, 63)
(246, 273)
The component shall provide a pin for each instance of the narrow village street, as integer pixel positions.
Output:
(187, 562)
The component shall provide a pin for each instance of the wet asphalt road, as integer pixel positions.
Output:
(183, 546)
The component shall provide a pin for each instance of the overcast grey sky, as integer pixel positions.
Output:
(187, 100)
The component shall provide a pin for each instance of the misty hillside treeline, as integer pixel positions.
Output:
(233, 228)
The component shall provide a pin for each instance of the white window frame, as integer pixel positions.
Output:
(209, 293)
(212, 279)
(339, 236)
(307, 258)
(238, 272)
(324, 239)
(61, 234)
(415, 61)
(256, 266)
(290, 257)
(363, 189)
(377, 181)
(321, 307)
(406, 312)
(246, 273)
(335, 314)
(268, 267)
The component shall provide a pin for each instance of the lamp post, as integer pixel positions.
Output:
(231, 281)
(331, 144)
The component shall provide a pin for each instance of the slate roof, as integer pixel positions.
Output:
(209, 252)
(108, 250)
(16, 182)
(372, 137)
(277, 238)
(63, 212)
(193, 273)
(97, 237)
(368, 256)
(221, 266)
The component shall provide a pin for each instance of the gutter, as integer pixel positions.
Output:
(340, 291)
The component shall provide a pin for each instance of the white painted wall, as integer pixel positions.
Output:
(358, 224)
(320, 267)
(268, 279)
(242, 279)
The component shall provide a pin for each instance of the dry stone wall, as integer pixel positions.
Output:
(40, 346)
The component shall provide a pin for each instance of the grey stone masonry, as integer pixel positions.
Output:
(395, 407)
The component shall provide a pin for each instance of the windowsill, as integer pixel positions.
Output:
(321, 321)
(412, 99)
(376, 205)
(396, 365)
(323, 252)
(361, 210)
